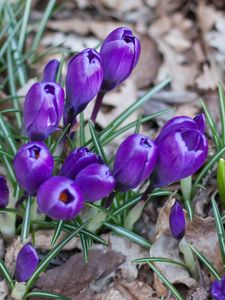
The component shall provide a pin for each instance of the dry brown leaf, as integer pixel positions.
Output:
(209, 78)
(11, 254)
(117, 101)
(130, 250)
(4, 290)
(148, 65)
(122, 6)
(79, 26)
(43, 240)
(124, 290)
(201, 233)
(167, 247)
(75, 278)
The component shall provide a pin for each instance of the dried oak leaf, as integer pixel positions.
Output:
(74, 278)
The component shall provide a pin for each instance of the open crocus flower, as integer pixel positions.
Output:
(119, 52)
(77, 160)
(177, 221)
(83, 80)
(134, 162)
(95, 181)
(4, 193)
(43, 109)
(50, 71)
(218, 289)
(182, 149)
(26, 263)
(60, 198)
(33, 164)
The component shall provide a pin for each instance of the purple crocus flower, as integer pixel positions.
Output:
(43, 109)
(120, 52)
(50, 71)
(182, 149)
(134, 161)
(77, 160)
(26, 263)
(83, 80)
(177, 221)
(4, 193)
(95, 181)
(218, 289)
(33, 164)
(60, 198)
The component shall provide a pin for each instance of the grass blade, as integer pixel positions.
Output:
(129, 234)
(26, 221)
(132, 108)
(167, 283)
(57, 232)
(51, 254)
(12, 86)
(219, 228)
(44, 294)
(206, 168)
(42, 26)
(212, 125)
(6, 274)
(159, 259)
(205, 262)
(24, 24)
(98, 147)
(222, 111)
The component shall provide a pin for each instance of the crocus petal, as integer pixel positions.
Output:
(95, 181)
(134, 161)
(120, 52)
(201, 122)
(4, 193)
(50, 70)
(218, 289)
(26, 263)
(177, 221)
(83, 80)
(33, 164)
(77, 160)
(180, 155)
(60, 198)
(43, 109)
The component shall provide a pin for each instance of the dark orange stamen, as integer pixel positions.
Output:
(63, 197)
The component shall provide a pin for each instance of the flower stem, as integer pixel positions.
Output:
(97, 106)
(26, 221)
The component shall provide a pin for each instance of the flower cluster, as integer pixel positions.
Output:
(179, 150)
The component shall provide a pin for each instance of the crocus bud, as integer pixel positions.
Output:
(83, 80)
(95, 181)
(218, 289)
(50, 71)
(60, 198)
(134, 161)
(43, 109)
(177, 221)
(33, 164)
(26, 263)
(4, 193)
(77, 160)
(182, 149)
(119, 52)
